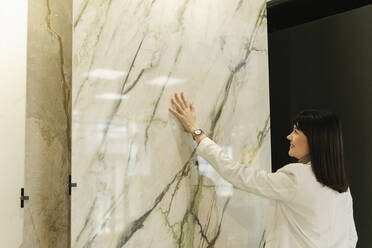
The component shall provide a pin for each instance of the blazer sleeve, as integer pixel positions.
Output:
(281, 185)
(353, 236)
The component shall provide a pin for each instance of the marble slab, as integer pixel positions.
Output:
(139, 182)
(48, 124)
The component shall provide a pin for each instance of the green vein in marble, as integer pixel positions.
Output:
(139, 3)
(262, 241)
(65, 85)
(240, 3)
(219, 108)
(248, 154)
(98, 17)
(119, 101)
(217, 111)
(178, 52)
(206, 227)
(180, 16)
(203, 235)
(257, 25)
(222, 42)
(136, 225)
(85, 4)
(106, 218)
(213, 241)
(153, 114)
(186, 237)
(175, 228)
(87, 220)
(190, 215)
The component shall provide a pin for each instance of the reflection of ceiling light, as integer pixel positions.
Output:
(160, 81)
(224, 190)
(222, 187)
(105, 74)
(111, 96)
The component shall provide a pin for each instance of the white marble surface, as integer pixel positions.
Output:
(138, 185)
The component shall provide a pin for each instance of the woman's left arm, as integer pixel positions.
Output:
(281, 185)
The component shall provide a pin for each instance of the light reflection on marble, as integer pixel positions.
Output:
(138, 184)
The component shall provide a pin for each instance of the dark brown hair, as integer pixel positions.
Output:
(324, 135)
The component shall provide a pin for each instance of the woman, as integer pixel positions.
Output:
(310, 201)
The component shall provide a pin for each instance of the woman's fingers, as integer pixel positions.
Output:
(192, 107)
(175, 113)
(182, 105)
(179, 109)
(184, 100)
(179, 101)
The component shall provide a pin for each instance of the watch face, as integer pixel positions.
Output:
(197, 132)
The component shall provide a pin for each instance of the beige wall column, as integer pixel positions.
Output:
(47, 221)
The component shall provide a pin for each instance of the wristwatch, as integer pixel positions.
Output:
(196, 132)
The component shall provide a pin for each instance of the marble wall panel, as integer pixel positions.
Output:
(48, 132)
(139, 184)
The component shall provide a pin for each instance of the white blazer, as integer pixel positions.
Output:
(302, 213)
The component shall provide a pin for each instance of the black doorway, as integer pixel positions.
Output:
(325, 63)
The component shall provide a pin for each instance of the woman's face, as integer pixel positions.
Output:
(298, 146)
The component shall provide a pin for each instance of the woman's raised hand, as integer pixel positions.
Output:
(184, 112)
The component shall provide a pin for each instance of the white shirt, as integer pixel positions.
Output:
(302, 213)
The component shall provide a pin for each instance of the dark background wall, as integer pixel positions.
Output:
(327, 64)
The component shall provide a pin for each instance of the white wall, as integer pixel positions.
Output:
(13, 25)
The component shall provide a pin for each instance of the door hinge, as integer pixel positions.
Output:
(70, 184)
(23, 197)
